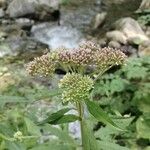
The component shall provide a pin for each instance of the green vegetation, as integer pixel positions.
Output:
(144, 17)
(123, 93)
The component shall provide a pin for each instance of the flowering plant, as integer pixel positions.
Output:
(83, 66)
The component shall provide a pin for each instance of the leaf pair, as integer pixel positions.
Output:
(59, 117)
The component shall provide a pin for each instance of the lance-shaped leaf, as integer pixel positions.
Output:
(59, 117)
(99, 114)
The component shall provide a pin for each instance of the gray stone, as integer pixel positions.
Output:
(99, 19)
(144, 49)
(145, 5)
(2, 13)
(24, 22)
(16, 45)
(19, 8)
(131, 29)
(117, 36)
(114, 44)
(102, 42)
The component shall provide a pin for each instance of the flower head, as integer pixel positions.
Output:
(44, 65)
(107, 57)
(75, 87)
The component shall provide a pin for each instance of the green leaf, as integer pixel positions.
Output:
(89, 141)
(14, 146)
(117, 85)
(107, 133)
(62, 135)
(66, 119)
(53, 145)
(99, 114)
(32, 128)
(55, 116)
(11, 99)
(105, 145)
(143, 128)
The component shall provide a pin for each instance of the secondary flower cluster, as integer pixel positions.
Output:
(75, 87)
(44, 65)
(107, 57)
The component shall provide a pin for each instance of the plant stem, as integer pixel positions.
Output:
(81, 111)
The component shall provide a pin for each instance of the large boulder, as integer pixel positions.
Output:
(131, 29)
(19, 8)
(127, 29)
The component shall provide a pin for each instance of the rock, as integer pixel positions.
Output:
(145, 52)
(145, 5)
(56, 36)
(51, 3)
(99, 19)
(5, 50)
(20, 8)
(102, 42)
(131, 29)
(148, 32)
(114, 44)
(2, 35)
(144, 49)
(14, 46)
(129, 50)
(2, 3)
(80, 13)
(1, 13)
(24, 22)
(117, 36)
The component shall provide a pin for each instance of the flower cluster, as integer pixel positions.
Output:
(86, 56)
(107, 57)
(81, 56)
(18, 135)
(44, 65)
(75, 87)
(90, 54)
(75, 57)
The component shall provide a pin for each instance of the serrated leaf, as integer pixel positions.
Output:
(99, 114)
(32, 128)
(105, 145)
(143, 128)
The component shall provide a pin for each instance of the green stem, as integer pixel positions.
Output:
(81, 111)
